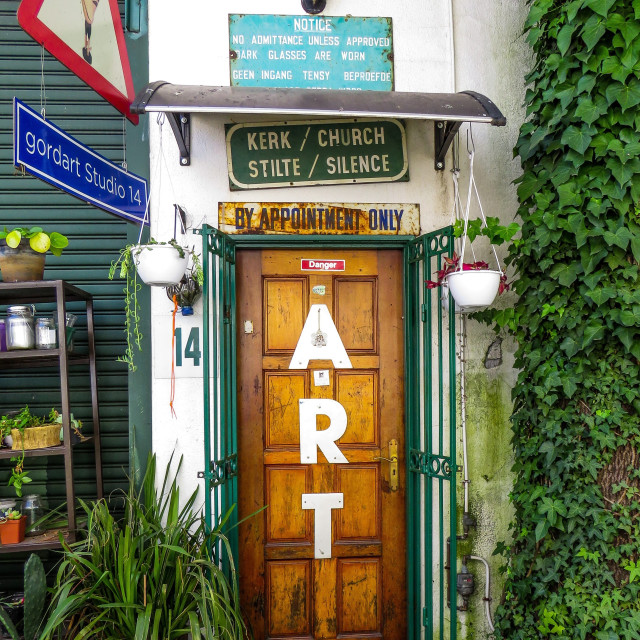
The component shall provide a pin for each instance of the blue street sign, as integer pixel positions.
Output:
(51, 154)
(311, 52)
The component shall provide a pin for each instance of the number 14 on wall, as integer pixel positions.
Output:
(191, 349)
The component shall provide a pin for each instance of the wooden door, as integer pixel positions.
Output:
(353, 587)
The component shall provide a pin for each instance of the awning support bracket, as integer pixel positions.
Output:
(444, 132)
(181, 127)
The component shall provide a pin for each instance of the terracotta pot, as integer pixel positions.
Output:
(12, 531)
(21, 264)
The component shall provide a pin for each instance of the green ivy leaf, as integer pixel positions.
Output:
(594, 331)
(627, 95)
(577, 139)
(602, 294)
(631, 317)
(588, 110)
(542, 528)
(566, 272)
(593, 30)
(601, 7)
(564, 37)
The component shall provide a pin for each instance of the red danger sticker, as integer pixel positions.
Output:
(322, 265)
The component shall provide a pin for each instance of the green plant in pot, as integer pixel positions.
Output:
(188, 290)
(127, 267)
(23, 252)
(28, 431)
(149, 574)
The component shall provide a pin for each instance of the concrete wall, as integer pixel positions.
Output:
(439, 46)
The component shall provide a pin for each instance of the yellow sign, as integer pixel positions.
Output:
(319, 218)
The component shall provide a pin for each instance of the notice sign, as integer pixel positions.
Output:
(51, 154)
(311, 52)
(321, 265)
(319, 218)
(295, 154)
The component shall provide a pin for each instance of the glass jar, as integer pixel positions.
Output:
(32, 508)
(3, 335)
(19, 327)
(46, 334)
(6, 506)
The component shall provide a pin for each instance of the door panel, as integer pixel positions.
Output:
(286, 592)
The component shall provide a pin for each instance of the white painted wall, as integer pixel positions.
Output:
(439, 46)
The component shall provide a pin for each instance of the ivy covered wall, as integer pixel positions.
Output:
(573, 564)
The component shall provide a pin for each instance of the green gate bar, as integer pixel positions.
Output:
(219, 379)
(430, 443)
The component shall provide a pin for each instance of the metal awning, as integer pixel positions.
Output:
(447, 110)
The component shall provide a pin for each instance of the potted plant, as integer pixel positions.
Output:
(23, 252)
(473, 284)
(27, 431)
(12, 528)
(188, 290)
(128, 266)
(150, 568)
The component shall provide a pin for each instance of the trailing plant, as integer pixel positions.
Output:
(39, 240)
(149, 575)
(572, 566)
(124, 266)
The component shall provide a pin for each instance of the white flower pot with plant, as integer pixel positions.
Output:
(473, 285)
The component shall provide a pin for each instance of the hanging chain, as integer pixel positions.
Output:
(43, 91)
(124, 143)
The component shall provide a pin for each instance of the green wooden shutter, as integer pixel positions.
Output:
(95, 240)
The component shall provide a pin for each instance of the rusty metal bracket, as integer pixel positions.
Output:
(444, 132)
(181, 127)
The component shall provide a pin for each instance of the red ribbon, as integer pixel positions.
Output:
(173, 358)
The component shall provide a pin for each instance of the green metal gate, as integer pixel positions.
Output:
(430, 383)
(219, 360)
(431, 442)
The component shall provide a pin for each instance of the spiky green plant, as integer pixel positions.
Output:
(147, 576)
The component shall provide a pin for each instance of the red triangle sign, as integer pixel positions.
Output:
(87, 37)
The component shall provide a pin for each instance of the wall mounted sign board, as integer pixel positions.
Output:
(313, 152)
(311, 52)
(319, 218)
(101, 60)
(51, 154)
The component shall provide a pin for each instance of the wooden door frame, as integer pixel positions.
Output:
(401, 243)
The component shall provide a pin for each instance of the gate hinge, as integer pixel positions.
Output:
(424, 312)
(425, 617)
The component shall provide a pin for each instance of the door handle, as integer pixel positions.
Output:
(393, 464)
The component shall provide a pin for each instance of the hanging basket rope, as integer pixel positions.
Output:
(473, 188)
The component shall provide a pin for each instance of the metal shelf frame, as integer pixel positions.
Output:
(59, 292)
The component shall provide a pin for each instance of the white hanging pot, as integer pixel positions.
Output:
(474, 288)
(159, 265)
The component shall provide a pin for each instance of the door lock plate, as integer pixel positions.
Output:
(393, 465)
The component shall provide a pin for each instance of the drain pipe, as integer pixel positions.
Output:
(467, 520)
(487, 596)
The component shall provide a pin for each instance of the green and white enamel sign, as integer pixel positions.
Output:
(292, 154)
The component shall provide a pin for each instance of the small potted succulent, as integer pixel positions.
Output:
(188, 290)
(12, 527)
(23, 252)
